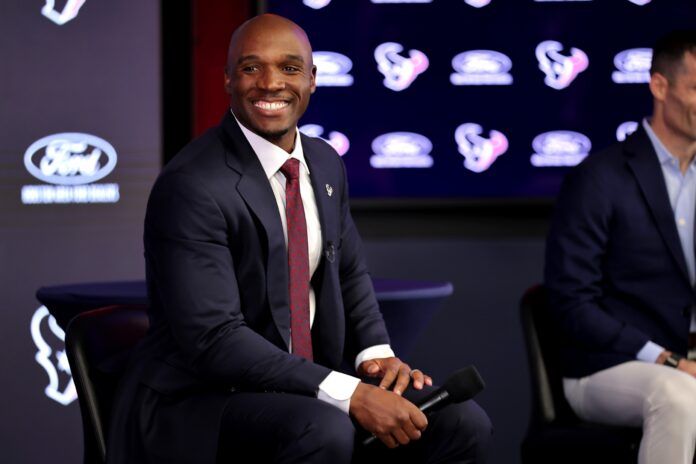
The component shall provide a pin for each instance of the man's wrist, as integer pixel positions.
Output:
(662, 356)
(337, 390)
(373, 352)
(650, 352)
(667, 358)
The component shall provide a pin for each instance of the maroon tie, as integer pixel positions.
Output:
(298, 261)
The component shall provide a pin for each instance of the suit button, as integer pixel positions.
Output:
(686, 312)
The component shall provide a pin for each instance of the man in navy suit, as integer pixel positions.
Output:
(620, 269)
(221, 375)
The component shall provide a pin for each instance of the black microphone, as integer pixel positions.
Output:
(460, 386)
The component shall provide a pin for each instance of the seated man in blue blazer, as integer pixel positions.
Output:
(620, 269)
(259, 290)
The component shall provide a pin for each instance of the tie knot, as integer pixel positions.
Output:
(291, 169)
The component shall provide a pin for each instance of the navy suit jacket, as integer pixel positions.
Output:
(615, 270)
(218, 284)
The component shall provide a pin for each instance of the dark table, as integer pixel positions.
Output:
(407, 305)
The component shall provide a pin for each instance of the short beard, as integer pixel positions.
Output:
(273, 136)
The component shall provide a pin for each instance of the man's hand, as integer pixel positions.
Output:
(685, 365)
(391, 418)
(394, 372)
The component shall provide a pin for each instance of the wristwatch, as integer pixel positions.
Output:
(673, 360)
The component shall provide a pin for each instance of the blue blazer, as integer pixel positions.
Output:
(615, 270)
(217, 275)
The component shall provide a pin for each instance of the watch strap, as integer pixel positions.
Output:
(673, 360)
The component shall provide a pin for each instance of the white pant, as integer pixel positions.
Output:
(661, 399)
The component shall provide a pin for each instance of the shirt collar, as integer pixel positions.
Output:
(663, 154)
(272, 156)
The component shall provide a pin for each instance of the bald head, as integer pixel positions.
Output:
(270, 77)
(265, 26)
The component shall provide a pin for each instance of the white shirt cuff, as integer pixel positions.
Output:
(374, 352)
(650, 352)
(337, 389)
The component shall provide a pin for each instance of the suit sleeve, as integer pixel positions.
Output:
(364, 322)
(191, 269)
(575, 251)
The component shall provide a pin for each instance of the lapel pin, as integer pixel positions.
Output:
(330, 252)
(329, 189)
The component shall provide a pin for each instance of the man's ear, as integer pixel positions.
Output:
(658, 86)
(228, 82)
(313, 80)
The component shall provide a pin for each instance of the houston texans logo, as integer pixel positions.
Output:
(399, 72)
(561, 70)
(69, 11)
(479, 152)
(50, 355)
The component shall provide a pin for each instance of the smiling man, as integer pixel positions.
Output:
(269, 80)
(259, 292)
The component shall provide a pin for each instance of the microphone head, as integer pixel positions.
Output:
(464, 384)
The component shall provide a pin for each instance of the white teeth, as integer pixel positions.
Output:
(264, 105)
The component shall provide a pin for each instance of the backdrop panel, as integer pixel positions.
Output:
(477, 99)
(80, 138)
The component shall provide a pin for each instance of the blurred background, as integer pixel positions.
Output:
(457, 120)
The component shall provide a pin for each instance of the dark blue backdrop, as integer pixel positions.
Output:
(592, 104)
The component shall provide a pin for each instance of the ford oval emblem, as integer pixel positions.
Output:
(70, 158)
(481, 62)
(634, 60)
(561, 143)
(402, 143)
(331, 62)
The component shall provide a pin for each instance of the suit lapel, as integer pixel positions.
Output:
(256, 191)
(646, 168)
(328, 329)
(323, 184)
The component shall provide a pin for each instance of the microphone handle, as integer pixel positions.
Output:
(434, 401)
(430, 403)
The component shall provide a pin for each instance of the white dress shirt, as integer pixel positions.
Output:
(681, 188)
(337, 388)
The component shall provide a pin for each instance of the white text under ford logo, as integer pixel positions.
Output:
(70, 163)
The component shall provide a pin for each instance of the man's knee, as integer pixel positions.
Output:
(330, 433)
(676, 396)
(472, 421)
(466, 427)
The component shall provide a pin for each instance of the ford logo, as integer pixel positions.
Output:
(402, 144)
(332, 69)
(481, 62)
(560, 148)
(477, 3)
(634, 60)
(331, 63)
(316, 4)
(70, 158)
(561, 143)
(401, 150)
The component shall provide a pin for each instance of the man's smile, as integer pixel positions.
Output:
(270, 106)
